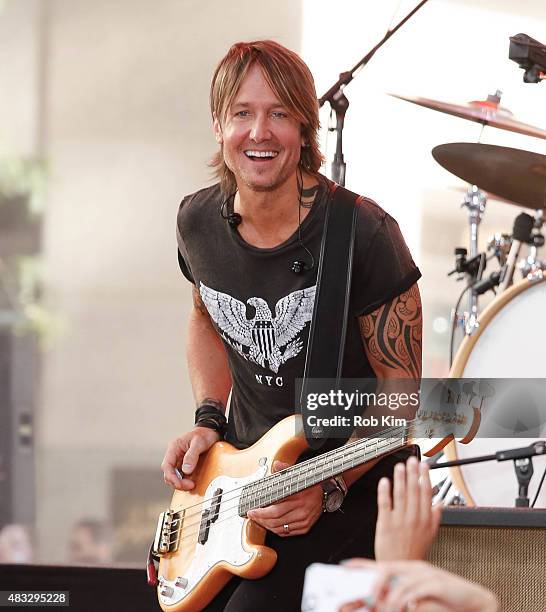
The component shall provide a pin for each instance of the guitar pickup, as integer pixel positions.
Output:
(204, 527)
(215, 506)
(210, 516)
(167, 533)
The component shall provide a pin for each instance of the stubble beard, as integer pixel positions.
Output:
(276, 181)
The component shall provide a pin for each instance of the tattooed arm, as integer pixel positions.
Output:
(392, 337)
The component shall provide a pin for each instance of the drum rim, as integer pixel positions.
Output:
(461, 359)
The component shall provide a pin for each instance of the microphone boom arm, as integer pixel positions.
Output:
(339, 102)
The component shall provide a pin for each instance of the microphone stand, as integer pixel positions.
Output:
(339, 102)
(523, 465)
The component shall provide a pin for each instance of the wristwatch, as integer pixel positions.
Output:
(334, 490)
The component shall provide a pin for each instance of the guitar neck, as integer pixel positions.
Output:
(281, 485)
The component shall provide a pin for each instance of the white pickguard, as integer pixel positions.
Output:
(225, 537)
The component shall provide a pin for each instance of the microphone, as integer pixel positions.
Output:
(234, 219)
(523, 226)
(298, 267)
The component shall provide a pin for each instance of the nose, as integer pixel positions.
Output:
(260, 130)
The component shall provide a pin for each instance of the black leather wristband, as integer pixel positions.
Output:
(211, 417)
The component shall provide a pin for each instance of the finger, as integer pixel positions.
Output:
(177, 481)
(384, 501)
(403, 593)
(197, 446)
(278, 466)
(384, 575)
(173, 458)
(388, 575)
(295, 516)
(298, 521)
(359, 563)
(436, 517)
(273, 512)
(404, 580)
(425, 492)
(173, 455)
(357, 604)
(182, 484)
(295, 528)
(412, 491)
(399, 489)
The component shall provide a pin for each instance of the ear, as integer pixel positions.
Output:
(303, 139)
(217, 129)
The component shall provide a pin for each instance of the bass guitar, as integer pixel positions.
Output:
(205, 537)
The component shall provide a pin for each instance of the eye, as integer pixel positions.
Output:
(279, 115)
(242, 113)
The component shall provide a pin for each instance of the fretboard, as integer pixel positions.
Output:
(277, 487)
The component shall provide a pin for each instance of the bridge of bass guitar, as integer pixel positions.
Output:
(205, 541)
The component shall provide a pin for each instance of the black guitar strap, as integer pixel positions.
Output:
(325, 349)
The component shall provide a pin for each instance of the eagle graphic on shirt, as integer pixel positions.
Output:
(263, 339)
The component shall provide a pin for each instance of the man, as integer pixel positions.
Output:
(238, 244)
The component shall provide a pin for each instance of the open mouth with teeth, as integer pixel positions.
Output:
(261, 156)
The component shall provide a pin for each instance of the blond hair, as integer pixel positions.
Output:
(290, 80)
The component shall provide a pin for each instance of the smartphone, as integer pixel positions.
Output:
(327, 587)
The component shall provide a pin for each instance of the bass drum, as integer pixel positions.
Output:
(509, 343)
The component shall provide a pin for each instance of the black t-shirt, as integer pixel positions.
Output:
(262, 310)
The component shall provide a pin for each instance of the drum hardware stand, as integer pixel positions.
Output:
(446, 493)
(475, 202)
(524, 472)
(523, 465)
(472, 269)
(499, 246)
(531, 267)
(339, 102)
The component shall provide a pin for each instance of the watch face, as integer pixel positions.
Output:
(333, 501)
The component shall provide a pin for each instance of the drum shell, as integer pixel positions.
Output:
(510, 342)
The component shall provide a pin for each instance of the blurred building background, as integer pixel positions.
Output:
(104, 126)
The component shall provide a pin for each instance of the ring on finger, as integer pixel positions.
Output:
(286, 528)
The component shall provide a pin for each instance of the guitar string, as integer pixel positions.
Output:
(194, 528)
(188, 531)
(297, 466)
(188, 527)
(287, 474)
(265, 497)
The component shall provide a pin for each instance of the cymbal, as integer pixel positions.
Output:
(479, 111)
(513, 174)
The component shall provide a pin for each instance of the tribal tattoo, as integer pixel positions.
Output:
(210, 401)
(308, 196)
(392, 336)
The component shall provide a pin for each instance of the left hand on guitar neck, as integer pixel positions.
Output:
(299, 511)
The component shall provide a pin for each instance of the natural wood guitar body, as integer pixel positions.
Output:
(205, 537)
(283, 442)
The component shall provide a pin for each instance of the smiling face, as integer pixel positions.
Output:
(261, 141)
